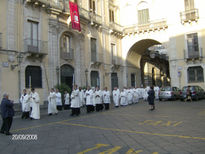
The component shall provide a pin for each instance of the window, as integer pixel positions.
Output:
(195, 74)
(33, 77)
(66, 43)
(93, 50)
(189, 4)
(192, 45)
(95, 80)
(133, 80)
(111, 15)
(92, 5)
(33, 33)
(143, 16)
(114, 80)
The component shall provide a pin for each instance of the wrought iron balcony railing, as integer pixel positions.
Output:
(96, 57)
(35, 46)
(0, 40)
(67, 55)
(189, 15)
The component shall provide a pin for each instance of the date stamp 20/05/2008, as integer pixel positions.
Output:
(25, 137)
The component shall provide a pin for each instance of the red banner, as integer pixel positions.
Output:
(75, 18)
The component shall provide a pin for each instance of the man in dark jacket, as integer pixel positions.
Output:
(7, 113)
(151, 97)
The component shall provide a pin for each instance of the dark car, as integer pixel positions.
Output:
(168, 92)
(196, 93)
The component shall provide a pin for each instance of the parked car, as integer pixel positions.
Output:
(196, 93)
(168, 92)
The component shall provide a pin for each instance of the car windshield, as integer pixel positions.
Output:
(166, 89)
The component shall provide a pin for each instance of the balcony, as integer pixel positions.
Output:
(94, 18)
(115, 27)
(154, 25)
(54, 6)
(67, 55)
(96, 60)
(35, 47)
(189, 16)
(0, 40)
(193, 55)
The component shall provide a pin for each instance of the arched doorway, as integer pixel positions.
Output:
(150, 60)
(67, 75)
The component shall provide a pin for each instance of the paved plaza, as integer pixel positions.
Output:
(173, 128)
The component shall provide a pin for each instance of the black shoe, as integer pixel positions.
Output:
(50, 114)
(2, 132)
(8, 133)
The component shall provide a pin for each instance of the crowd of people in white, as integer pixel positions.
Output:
(93, 98)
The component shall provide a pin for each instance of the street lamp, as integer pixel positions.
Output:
(86, 76)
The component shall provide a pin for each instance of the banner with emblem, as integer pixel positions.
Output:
(75, 18)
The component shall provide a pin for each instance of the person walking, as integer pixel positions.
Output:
(151, 97)
(106, 98)
(25, 104)
(52, 103)
(35, 101)
(7, 113)
(75, 101)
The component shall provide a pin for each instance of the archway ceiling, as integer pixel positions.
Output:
(141, 46)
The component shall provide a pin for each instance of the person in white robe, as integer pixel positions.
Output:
(24, 100)
(146, 90)
(123, 97)
(75, 102)
(116, 96)
(156, 90)
(129, 96)
(81, 96)
(98, 99)
(52, 103)
(67, 100)
(89, 100)
(106, 98)
(35, 100)
(58, 100)
(135, 95)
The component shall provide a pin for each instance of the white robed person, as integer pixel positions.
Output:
(35, 101)
(123, 97)
(67, 100)
(135, 95)
(89, 100)
(98, 99)
(58, 100)
(129, 96)
(156, 90)
(25, 104)
(52, 103)
(106, 98)
(116, 96)
(75, 101)
(146, 90)
(81, 96)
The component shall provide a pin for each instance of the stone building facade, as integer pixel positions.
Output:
(122, 43)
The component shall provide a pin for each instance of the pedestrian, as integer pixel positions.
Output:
(135, 95)
(25, 104)
(7, 113)
(89, 99)
(106, 98)
(116, 96)
(52, 103)
(58, 100)
(75, 101)
(188, 94)
(151, 97)
(67, 101)
(35, 100)
(81, 96)
(123, 97)
(98, 99)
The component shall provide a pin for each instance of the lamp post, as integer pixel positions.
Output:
(86, 76)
